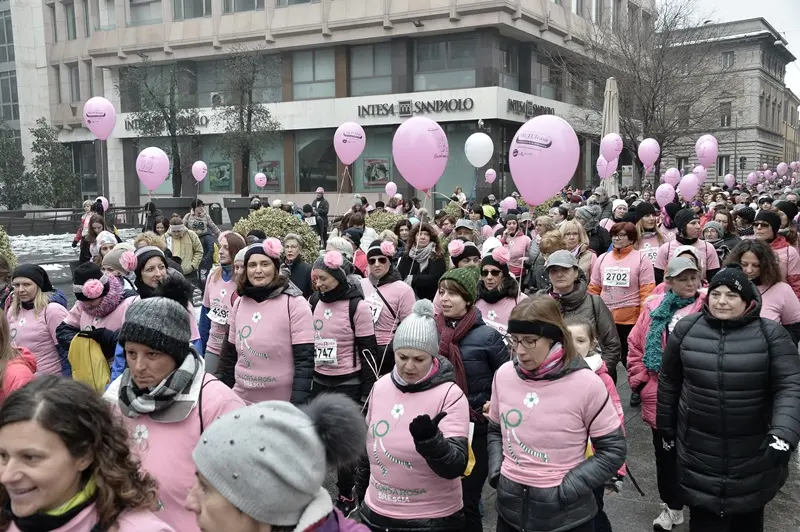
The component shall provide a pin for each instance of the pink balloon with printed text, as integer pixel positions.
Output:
(611, 146)
(491, 175)
(729, 180)
(672, 176)
(649, 150)
(665, 193)
(606, 169)
(152, 167)
(782, 169)
(199, 170)
(706, 149)
(100, 117)
(260, 180)
(701, 173)
(752, 178)
(103, 202)
(420, 150)
(349, 142)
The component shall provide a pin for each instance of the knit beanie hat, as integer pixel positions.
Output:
(683, 218)
(747, 213)
(240, 256)
(788, 208)
(308, 208)
(35, 273)
(588, 213)
(146, 253)
(381, 249)
(498, 258)
(161, 322)
(716, 226)
(644, 208)
(466, 278)
(342, 246)
(269, 459)
(771, 218)
(271, 247)
(120, 259)
(105, 238)
(418, 330)
(89, 282)
(618, 203)
(354, 234)
(331, 263)
(734, 278)
(460, 248)
(672, 210)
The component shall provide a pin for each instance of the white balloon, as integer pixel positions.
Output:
(479, 149)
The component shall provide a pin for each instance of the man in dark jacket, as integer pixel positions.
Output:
(589, 216)
(299, 271)
(606, 206)
(321, 208)
(728, 402)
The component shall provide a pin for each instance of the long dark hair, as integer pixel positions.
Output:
(412, 239)
(95, 219)
(769, 271)
(84, 423)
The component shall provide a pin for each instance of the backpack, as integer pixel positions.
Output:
(89, 364)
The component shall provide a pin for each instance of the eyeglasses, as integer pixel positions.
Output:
(378, 260)
(761, 224)
(292, 246)
(492, 273)
(620, 237)
(526, 343)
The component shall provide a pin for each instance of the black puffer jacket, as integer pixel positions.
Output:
(300, 275)
(723, 387)
(572, 502)
(446, 457)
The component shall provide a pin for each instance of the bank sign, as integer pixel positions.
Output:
(528, 108)
(405, 108)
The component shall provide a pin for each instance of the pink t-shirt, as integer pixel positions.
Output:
(112, 321)
(128, 521)
(264, 334)
(334, 338)
(778, 303)
(621, 278)
(544, 423)
(400, 298)
(496, 315)
(709, 260)
(38, 334)
(648, 246)
(401, 485)
(217, 299)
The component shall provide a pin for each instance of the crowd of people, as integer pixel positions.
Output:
(416, 363)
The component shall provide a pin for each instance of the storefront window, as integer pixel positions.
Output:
(444, 63)
(315, 160)
(375, 167)
(371, 69)
(314, 74)
(270, 163)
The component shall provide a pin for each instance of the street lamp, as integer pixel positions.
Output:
(736, 142)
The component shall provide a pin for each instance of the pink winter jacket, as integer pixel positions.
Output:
(639, 377)
(18, 373)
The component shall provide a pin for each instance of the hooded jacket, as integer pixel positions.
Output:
(19, 372)
(724, 386)
(435, 464)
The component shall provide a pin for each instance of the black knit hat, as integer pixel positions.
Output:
(380, 248)
(672, 210)
(498, 258)
(271, 248)
(461, 248)
(734, 278)
(144, 254)
(354, 234)
(682, 219)
(84, 289)
(770, 217)
(643, 209)
(35, 273)
(788, 208)
(747, 213)
(308, 208)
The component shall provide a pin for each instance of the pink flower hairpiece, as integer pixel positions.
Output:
(333, 259)
(500, 254)
(128, 261)
(273, 248)
(93, 288)
(388, 249)
(455, 248)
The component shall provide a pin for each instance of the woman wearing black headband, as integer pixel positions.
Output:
(545, 404)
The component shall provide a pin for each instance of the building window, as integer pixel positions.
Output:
(616, 16)
(91, 78)
(9, 100)
(74, 83)
(72, 26)
(315, 160)
(371, 69)
(727, 60)
(444, 63)
(53, 22)
(6, 37)
(57, 72)
(284, 3)
(723, 165)
(186, 9)
(682, 163)
(683, 116)
(241, 6)
(509, 57)
(145, 12)
(725, 114)
(314, 74)
(577, 7)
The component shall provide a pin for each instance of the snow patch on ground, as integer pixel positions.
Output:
(53, 248)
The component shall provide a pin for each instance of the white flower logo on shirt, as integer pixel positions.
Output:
(22, 322)
(492, 314)
(140, 435)
(96, 321)
(256, 317)
(328, 314)
(223, 293)
(531, 399)
(397, 411)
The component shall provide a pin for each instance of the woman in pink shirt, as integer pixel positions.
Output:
(650, 238)
(767, 225)
(269, 352)
(545, 406)
(498, 291)
(518, 244)
(67, 466)
(778, 301)
(418, 426)
(17, 364)
(34, 320)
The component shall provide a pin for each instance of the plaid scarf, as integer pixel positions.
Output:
(134, 401)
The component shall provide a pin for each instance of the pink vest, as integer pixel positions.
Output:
(217, 299)
(264, 334)
(334, 338)
(39, 336)
(401, 485)
(496, 315)
(400, 298)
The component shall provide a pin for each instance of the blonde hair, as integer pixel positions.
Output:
(548, 222)
(149, 239)
(583, 238)
(551, 241)
(40, 302)
(389, 236)
(640, 232)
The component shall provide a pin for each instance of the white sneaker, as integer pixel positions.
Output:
(668, 518)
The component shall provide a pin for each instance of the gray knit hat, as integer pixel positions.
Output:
(331, 263)
(418, 330)
(269, 459)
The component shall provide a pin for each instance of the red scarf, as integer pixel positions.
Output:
(450, 337)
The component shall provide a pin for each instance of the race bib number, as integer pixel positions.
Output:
(218, 315)
(499, 327)
(616, 276)
(325, 352)
(651, 253)
(375, 307)
(311, 221)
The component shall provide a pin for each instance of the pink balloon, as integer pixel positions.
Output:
(152, 167)
(611, 146)
(794, 175)
(729, 180)
(760, 174)
(260, 180)
(782, 169)
(420, 152)
(704, 139)
(349, 141)
(707, 152)
(606, 169)
(100, 117)
(672, 176)
(701, 173)
(665, 193)
(752, 178)
(760, 187)
(508, 203)
(689, 186)
(543, 157)
(199, 170)
(103, 202)
(793, 165)
(769, 175)
(649, 150)
(391, 189)
(491, 175)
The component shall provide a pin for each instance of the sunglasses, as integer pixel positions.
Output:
(378, 260)
(761, 224)
(492, 273)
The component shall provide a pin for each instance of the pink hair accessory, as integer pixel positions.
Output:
(128, 261)
(93, 288)
(333, 259)
(500, 254)
(273, 248)
(455, 248)
(388, 249)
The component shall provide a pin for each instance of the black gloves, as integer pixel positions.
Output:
(94, 334)
(74, 243)
(424, 428)
(778, 451)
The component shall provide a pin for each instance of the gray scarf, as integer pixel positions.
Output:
(173, 390)
(421, 257)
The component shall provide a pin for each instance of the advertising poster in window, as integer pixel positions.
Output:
(377, 171)
(220, 177)
(271, 169)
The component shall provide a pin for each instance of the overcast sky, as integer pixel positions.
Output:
(783, 15)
